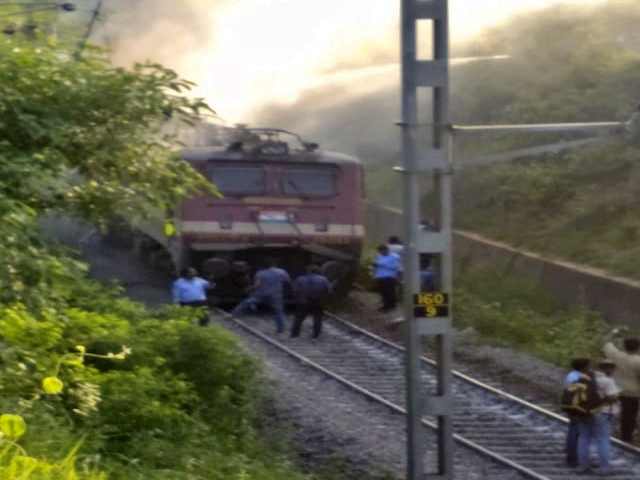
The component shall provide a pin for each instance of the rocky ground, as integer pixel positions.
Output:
(516, 372)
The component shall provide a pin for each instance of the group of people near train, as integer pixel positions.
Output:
(388, 273)
(311, 291)
(594, 396)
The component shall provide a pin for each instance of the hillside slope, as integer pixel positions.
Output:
(579, 205)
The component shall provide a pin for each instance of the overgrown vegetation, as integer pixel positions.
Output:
(508, 309)
(578, 205)
(93, 386)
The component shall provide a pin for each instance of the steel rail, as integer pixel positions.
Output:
(472, 381)
(377, 398)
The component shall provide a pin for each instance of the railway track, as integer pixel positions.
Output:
(515, 434)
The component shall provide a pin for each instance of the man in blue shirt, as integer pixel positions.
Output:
(311, 292)
(386, 269)
(268, 290)
(191, 291)
(579, 367)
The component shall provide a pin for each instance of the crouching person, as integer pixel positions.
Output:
(268, 290)
(311, 291)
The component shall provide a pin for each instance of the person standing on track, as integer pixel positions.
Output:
(579, 366)
(191, 291)
(386, 270)
(628, 377)
(603, 418)
(268, 290)
(311, 292)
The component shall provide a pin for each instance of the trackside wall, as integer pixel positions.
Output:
(617, 299)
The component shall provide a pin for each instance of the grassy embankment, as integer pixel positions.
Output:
(580, 205)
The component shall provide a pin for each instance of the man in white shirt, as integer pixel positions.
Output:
(628, 377)
(603, 419)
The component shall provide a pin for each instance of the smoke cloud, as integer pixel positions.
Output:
(169, 32)
(301, 54)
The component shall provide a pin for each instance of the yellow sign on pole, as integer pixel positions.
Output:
(431, 304)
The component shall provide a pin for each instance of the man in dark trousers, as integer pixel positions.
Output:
(579, 367)
(311, 292)
(268, 290)
(628, 378)
(386, 269)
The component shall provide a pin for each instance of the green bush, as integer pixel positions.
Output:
(223, 376)
(107, 387)
(514, 311)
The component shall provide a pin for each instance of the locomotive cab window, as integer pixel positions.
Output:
(238, 180)
(312, 182)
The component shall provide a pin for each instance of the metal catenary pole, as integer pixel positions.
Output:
(432, 74)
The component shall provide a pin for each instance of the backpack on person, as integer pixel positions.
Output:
(581, 398)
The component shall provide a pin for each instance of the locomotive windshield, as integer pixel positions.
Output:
(309, 182)
(239, 180)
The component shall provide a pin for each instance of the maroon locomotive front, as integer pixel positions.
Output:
(282, 198)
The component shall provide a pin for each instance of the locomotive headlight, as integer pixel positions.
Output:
(321, 227)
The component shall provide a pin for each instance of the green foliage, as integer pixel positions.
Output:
(365, 269)
(226, 388)
(138, 402)
(79, 136)
(578, 206)
(181, 405)
(506, 308)
(565, 65)
(17, 466)
(105, 386)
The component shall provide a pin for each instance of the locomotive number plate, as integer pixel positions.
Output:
(431, 304)
(273, 217)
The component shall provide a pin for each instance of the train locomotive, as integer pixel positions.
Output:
(282, 198)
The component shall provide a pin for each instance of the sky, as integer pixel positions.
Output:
(244, 54)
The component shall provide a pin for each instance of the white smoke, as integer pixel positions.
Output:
(245, 54)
